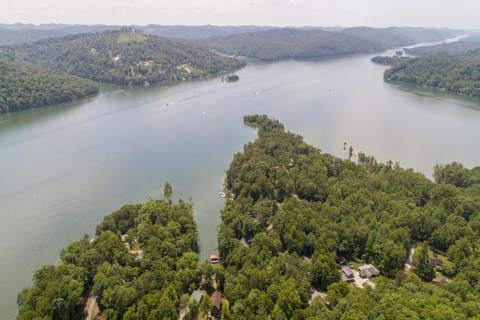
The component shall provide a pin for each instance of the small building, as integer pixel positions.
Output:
(196, 296)
(437, 262)
(368, 271)
(216, 309)
(346, 273)
(214, 258)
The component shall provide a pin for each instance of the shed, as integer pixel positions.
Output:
(368, 271)
(196, 296)
(216, 310)
(347, 274)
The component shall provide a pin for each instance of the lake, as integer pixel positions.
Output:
(65, 167)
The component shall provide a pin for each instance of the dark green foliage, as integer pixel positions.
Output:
(57, 293)
(388, 61)
(124, 57)
(167, 190)
(24, 86)
(128, 284)
(296, 212)
(423, 267)
(458, 74)
(232, 78)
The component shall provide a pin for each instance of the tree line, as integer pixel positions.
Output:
(24, 86)
(453, 73)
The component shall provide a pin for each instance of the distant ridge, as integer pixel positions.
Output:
(124, 57)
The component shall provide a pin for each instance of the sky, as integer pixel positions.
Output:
(376, 13)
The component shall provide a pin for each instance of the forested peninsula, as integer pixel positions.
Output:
(142, 264)
(453, 73)
(23, 86)
(296, 222)
(124, 57)
(297, 215)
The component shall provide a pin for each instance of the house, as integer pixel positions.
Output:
(346, 273)
(196, 296)
(368, 271)
(216, 309)
(214, 258)
(437, 262)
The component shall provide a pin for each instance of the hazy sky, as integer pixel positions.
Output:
(450, 13)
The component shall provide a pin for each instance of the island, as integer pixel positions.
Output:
(303, 235)
(231, 78)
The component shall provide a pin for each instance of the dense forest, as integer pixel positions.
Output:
(387, 60)
(123, 57)
(289, 43)
(24, 86)
(454, 73)
(141, 265)
(295, 215)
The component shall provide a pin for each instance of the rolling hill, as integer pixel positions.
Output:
(124, 57)
(289, 43)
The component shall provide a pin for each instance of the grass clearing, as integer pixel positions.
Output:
(126, 37)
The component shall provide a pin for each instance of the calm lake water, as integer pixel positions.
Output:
(65, 167)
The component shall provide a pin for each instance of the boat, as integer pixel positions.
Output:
(222, 194)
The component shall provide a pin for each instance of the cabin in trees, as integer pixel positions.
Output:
(368, 271)
(216, 309)
(346, 273)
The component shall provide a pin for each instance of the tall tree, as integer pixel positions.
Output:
(423, 267)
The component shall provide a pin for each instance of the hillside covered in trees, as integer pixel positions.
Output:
(392, 37)
(142, 264)
(123, 57)
(23, 86)
(296, 214)
(285, 43)
(453, 73)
